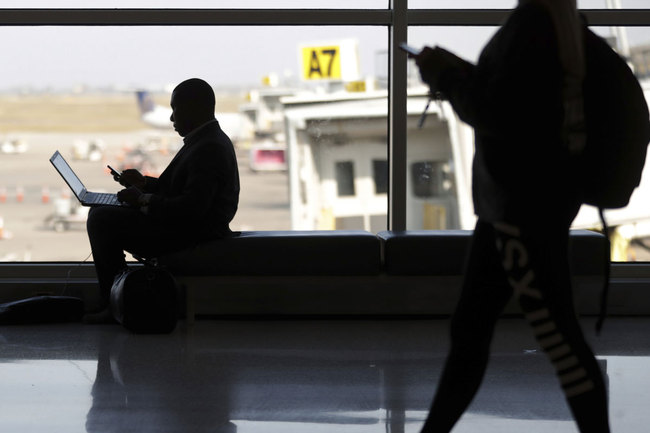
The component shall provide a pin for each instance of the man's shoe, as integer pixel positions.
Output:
(102, 317)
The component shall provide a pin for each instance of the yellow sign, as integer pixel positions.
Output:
(321, 63)
(355, 86)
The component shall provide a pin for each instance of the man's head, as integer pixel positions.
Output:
(192, 105)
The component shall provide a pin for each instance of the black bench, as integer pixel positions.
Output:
(347, 272)
(442, 253)
(274, 253)
(277, 272)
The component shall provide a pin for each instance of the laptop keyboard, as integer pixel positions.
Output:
(105, 198)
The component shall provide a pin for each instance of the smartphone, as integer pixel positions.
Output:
(409, 49)
(114, 172)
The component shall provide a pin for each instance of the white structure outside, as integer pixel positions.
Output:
(338, 163)
(337, 153)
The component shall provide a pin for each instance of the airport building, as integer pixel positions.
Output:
(339, 320)
(339, 166)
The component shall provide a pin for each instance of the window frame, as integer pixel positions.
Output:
(397, 18)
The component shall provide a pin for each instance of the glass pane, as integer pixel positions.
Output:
(612, 4)
(466, 42)
(438, 194)
(448, 142)
(100, 95)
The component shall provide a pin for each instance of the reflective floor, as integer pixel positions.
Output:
(295, 376)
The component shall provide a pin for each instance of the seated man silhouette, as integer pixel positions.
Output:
(193, 200)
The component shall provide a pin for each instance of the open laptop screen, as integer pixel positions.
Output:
(67, 174)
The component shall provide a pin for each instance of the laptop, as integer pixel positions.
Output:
(85, 197)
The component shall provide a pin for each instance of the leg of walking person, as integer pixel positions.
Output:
(484, 294)
(536, 262)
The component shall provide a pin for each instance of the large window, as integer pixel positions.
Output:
(443, 137)
(100, 95)
(297, 89)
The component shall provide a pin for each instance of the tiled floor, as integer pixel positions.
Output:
(295, 376)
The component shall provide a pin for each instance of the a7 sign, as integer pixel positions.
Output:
(321, 63)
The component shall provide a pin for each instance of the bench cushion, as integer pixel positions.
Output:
(341, 252)
(425, 252)
(443, 252)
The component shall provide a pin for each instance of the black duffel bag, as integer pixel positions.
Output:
(144, 300)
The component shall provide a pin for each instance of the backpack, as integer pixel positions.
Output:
(617, 125)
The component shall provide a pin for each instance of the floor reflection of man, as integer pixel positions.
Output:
(145, 384)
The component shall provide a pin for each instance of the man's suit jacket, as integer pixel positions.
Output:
(198, 192)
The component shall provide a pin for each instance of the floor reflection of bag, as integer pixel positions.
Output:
(144, 300)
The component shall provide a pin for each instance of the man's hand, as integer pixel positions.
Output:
(132, 177)
(130, 196)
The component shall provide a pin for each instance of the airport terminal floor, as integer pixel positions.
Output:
(295, 376)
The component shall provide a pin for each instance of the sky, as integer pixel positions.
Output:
(156, 57)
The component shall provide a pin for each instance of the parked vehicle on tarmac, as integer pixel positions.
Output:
(67, 215)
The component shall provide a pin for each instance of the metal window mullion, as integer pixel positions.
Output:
(618, 17)
(397, 98)
(192, 17)
(414, 17)
(495, 17)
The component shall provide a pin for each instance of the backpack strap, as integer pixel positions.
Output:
(605, 292)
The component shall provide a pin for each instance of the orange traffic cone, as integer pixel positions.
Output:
(20, 194)
(3, 194)
(45, 195)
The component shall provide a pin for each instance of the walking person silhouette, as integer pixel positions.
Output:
(523, 99)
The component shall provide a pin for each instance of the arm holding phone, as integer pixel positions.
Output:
(116, 174)
(129, 177)
(135, 183)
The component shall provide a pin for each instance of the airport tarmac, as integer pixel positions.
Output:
(30, 189)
